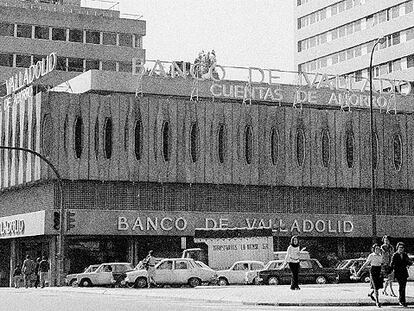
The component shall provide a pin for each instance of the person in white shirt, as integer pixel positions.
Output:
(292, 258)
(376, 261)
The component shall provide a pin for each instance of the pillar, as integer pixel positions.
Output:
(133, 250)
(54, 268)
(13, 260)
(341, 248)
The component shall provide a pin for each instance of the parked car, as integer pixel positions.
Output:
(311, 271)
(173, 271)
(70, 279)
(240, 272)
(105, 274)
(347, 269)
(251, 276)
(411, 268)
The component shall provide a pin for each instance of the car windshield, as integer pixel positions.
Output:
(202, 264)
(342, 264)
(271, 265)
(91, 268)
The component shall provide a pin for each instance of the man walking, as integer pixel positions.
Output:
(149, 264)
(399, 264)
(43, 271)
(28, 269)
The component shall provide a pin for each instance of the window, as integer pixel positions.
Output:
(23, 61)
(358, 75)
(300, 146)
(125, 67)
(274, 146)
(408, 7)
(194, 139)
(109, 65)
(78, 139)
(357, 25)
(349, 148)
(76, 35)
(181, 265)
(58, 34)
(37, 58)
(24, 31)
(248, 144)
(358, 51)
(61, 63)
(410, 61)
(241, 266)
(75, 64)
(109, 38)
(326, 154)
(221, 150)
(42, 32)
(138, 139)
(96, 136)
(410, 34)
(395, 38)
(108, 138)
(6, 60)
(166, 265)
(93, 37)
(6, 29)
(397, 152)
(138, 41)
(396, 65)
(125, 39)
(166, 141)
(92, 64)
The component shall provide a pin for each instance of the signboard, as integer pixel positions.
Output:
(22, 225)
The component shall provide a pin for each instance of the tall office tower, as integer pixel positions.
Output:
(337, 37)
(82, 37)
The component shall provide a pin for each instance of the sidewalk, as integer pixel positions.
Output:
(309, 295)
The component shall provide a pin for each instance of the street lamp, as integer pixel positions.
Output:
(371, 124)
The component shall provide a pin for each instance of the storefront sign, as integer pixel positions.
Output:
(22, 225)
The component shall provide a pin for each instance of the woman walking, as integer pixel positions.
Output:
(292, 258)
(387, 252)
(399, 263)
(375, 259)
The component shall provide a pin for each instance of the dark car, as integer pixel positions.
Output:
(311, 271)
(348, 268)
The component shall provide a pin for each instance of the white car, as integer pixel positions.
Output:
(411, 268)
(70, 279)
(173, 271)
(239, 272)
(105, 274)
(251, 276)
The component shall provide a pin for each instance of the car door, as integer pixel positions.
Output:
(164, 272)
(305, 272)
(284, 274)
(104, 275)
(237, 273)
(182, 271)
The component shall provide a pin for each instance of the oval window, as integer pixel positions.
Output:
(108, 138)
(397, 151)
(166, 141)
(326, 154)
(194, 142)
(349, 148)
(300, 146)
(138, 140)
(78, 141)
(274, 145)
(221, 142)
(248, 144)
(375, 151)
(47, 135)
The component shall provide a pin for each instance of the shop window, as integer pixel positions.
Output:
(125, 39)
(78, 137)
(194, 142)
(221, 149)
(138, 139)
(24, 31)
(93, 37)
(23, 60)
(274, 146)
(76, 35)
(91, 64)
(300, 146)
(326, 151)
(109, 65)
(75, 64)
(61, 63)
(349, 148)
(58, 34)
(166, 141)
(109, 38)
(398, 151)
(42, 32)
(6, 60)
(96, 138)
(108, 138)
(6, 29)
(47, 135)
(125, 67)
(248, 144)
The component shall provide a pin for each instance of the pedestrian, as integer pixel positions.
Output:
(36, 277)
(292, 258)
(28, 269)
(399, 263)
(375, 259)
(387, 252)
(17, 276)
(149, 264)
(43, 271)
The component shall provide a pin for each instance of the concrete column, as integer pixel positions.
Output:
(54, 268)
(13, 260)
(133, 251)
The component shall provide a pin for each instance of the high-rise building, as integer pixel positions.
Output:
(337, 37)
(83, 38)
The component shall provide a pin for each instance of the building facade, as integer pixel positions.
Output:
(337, 37)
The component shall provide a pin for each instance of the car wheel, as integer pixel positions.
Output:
(85, 283)
(273, 281)
(72, 282)
(194, 282)
(321, 280)
(223, 282)
(141, 283)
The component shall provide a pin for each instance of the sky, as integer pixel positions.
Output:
(247, 33)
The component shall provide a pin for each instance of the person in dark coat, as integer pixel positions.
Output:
(28, 269)
(399, 264)
(36, 272)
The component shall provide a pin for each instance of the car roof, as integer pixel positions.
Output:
(249, 261)
(115, 263)
(178, 258)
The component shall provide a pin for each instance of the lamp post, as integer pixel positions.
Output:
(61, 241)
(371, 124)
